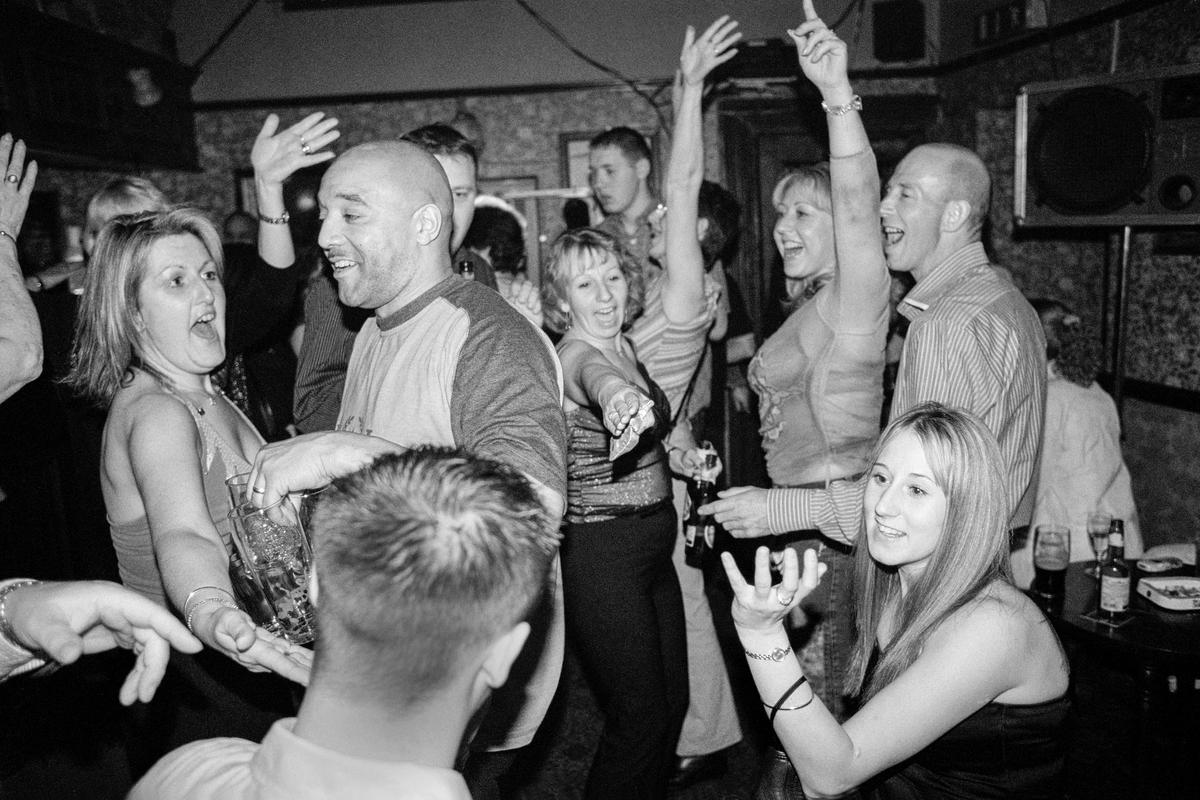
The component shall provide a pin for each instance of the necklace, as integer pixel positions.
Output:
(187, 395)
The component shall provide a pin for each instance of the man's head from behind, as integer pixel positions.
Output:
(619, 162)
(935, 203)
(427, 564)
(460, 161)
(385, 224)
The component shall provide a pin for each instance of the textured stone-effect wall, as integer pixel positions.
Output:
(1160, 451)
(1163, 327)
(521, 132)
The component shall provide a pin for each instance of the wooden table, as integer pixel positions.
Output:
(1154, 643)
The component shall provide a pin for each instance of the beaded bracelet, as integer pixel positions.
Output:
(199, 589)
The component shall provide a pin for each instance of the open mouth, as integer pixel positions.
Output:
(341, 264)
(892, 235)
(203, 326)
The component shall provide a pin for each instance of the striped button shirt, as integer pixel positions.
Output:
(974, 343)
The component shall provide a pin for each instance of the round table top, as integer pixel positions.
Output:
(1151, 634)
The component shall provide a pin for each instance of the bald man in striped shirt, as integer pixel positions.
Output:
(973, 343)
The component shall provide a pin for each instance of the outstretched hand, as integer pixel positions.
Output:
(16, 184)
(277, 154)
(232, 632)
(73, 618)
(624, 408)
(822, 55)
(762, 605)
(702, 54)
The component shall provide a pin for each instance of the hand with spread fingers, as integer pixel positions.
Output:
(762, 605)
(277, 154)
(822, 55)
(742, 511)
(69, 619)
(704, 53)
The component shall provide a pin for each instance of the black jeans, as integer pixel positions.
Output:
(624, 616)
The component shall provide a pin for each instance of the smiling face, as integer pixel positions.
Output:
(804, 234)
(911, 213)
(904, 507)
(616, 179)
(365, 230)
(460, 171)
(596, 293)
(181, 309)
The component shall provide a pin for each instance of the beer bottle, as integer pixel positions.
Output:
(698, 529)
(466, 269)
(1114, 575)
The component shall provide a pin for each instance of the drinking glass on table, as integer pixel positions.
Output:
(1051, 554)
(274, 545)
(1097, 529)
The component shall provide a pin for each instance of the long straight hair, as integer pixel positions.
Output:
(971, 553)
(108, 343)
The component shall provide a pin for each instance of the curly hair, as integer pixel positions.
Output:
(1072, 347)
(569, 253)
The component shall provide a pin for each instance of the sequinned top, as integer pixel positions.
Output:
(599, 489)
(135, 549)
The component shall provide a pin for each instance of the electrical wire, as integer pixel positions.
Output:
(607, 70)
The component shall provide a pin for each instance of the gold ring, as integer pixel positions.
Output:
(11, 178)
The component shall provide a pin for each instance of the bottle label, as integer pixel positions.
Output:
(689, 535)
(1114, 594)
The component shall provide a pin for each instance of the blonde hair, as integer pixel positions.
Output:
(570, 251)
(971, 553)
(107, 341)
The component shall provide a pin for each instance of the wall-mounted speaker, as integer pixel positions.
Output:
(1109, 151)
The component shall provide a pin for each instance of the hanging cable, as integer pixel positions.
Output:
(607, 70)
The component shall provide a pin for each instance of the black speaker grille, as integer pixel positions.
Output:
(1091, 151)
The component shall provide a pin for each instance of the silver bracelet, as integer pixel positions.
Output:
(195, 608)
(841, 111)
(282, 219)
(199, 589)
(775, 655)
(6, 628)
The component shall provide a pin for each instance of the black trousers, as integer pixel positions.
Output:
(624, 617)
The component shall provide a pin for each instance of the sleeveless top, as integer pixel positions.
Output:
(132, 541)
(1000, 751)
(599, 489)
(819, 389)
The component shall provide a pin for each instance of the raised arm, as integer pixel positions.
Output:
(683, 286)
(969, 660)
(276, 155)
(20, 333)
(860, 286)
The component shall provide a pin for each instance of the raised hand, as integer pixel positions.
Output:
(701, 54)
(762, 605)
(16, 184)
(277, 154)
(822, 55)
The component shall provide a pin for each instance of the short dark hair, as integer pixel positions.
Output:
(627, 140)
(422, 558)
(439, 139)
(723, 212)
(500, 231)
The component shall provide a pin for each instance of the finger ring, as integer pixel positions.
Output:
(11, 178)
(257, 489)
(304, 148)
(786, 601)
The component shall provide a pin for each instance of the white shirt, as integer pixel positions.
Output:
(287, 767)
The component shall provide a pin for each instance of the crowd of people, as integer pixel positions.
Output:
(507, 468)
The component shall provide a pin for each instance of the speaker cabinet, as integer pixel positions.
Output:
(1109, 151)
